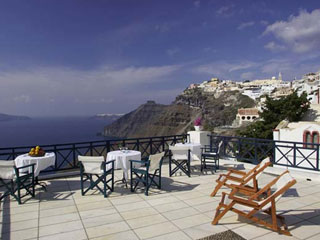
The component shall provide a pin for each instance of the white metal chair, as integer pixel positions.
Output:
(147, 173)
(180, 156)
(96, 166)
(14, 180)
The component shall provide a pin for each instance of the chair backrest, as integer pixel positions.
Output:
(92, 164)
(257, 170)
(155, 161)
(7, 169)
(216, 146)
(180, 152)
(282, 183)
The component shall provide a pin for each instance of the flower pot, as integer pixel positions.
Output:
(198, 128)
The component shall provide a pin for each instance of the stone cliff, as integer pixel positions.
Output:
(153, 119)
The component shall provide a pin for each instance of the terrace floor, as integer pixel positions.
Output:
(183, 209)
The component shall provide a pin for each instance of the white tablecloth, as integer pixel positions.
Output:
(195, 149)
(122, 159)
(42, 163)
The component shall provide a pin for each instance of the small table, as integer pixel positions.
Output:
(122, 160)
(195, 149)
(41, 163)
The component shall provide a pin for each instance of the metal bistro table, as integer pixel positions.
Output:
(122, 158)
(41, 163)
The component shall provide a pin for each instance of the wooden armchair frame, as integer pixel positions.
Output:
(241, 178)
(253, 206)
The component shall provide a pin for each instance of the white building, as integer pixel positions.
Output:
(304, 133)
(310, 83)
(302, 153)
(246, 115)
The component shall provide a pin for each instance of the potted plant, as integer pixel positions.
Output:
(197, 124)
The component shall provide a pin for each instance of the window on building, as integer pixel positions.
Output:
(311, 138)
(243, 118)
(248, 117)
(315, 137)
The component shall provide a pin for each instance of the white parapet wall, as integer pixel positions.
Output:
(202, 137)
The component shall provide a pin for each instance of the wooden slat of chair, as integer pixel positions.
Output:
(245, 178)
(256, 206)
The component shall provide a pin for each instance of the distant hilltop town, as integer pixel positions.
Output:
(224, 106)
(273, 87)
(259, 89)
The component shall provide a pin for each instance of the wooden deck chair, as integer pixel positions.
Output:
(248, 206)
(242, 178)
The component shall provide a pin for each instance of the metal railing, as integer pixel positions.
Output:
(67, 154)
(283, 153)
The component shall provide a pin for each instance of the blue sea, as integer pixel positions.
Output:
(43, 131)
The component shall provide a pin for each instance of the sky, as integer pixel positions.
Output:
(83, 57)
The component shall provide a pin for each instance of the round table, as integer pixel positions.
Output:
(195, 149)
(41, 163)
(122, 159)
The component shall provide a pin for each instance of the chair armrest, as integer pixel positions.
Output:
(236, 179)
(91, 161)
(237, 172)
(244, 201)
(138, 161)
(243, 187)
(26, 166)
(111, 161)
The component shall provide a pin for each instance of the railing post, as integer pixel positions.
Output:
(56, 162)
(107, 146)
(91, 150)
(175, 139)
(74, 155)
(317, 158)
(255, 150)
(150, 142)
(13, 154)
(239, 147)
(273, 159)
(294, 155)
(163, 144)
(138, 144)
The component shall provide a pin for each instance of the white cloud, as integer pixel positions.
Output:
(247, 75)
(245, 25)
(241, 66)
(62, 87)
(226, 11)
(222, 68)
(264, 22)
(301, 33)
(172, 51)
(22, 99)
(274, 46)
(196, 3)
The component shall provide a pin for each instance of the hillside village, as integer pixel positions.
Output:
(224, 106)
(257, 90)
